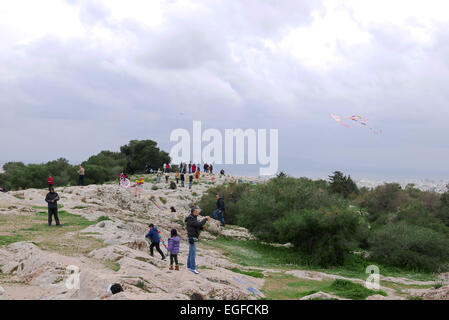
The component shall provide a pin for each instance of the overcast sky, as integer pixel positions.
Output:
(78, 77)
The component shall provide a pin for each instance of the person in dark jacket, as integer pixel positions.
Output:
(220, 210)
(194, 228)
(173, 248)
(190, 181)
(155, 239)
(182, 179)
(52, 199)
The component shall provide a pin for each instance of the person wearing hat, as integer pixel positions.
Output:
(194, 228)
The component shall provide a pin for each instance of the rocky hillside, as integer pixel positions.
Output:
(102, 237)
(102, 234)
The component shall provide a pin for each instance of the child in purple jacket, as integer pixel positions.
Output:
(173, 248)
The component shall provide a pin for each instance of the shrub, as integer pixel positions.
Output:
(231, 194)
(281, 196)
(410, 246)
(327, 235)
(343, 185)
(383, 200)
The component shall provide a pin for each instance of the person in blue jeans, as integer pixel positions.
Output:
(182, 180)
(220, 210)
(155, 239)
(194, 228)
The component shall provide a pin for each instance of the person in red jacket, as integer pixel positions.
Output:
(193, 168)
(50, 181)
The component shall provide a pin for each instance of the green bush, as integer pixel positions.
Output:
(342, 185)
(327, 235)
(281, 196)
(402, 244)
(383, 200)
(231, 194)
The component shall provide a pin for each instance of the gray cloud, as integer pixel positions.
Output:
(213, 64)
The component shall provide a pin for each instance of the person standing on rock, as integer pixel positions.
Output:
(220, 210)
(159, 174)
(52, 199)
(50, 181)
(190, 181)
(81, 176)
(155, 239)
(182, 179)
(194, 228)
(173, 248)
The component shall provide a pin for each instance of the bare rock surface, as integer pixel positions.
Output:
(121, 217)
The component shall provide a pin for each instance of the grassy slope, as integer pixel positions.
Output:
(33, 227)
(282, 286)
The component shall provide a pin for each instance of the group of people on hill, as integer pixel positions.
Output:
(192, 169)
(81, 172)
(194, 228)
(52, 197)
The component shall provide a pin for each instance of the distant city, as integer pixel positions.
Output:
(421, 184)
(439, 186)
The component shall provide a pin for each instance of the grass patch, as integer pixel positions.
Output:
(113, 265)
(7, 240)
(351, 290)
(163, 200)
(142, 259)
(204, 268)
(141, 285)
(256, 254)
(65, 240)
(399, 287)
(103, 218)
(80, 207)
(287, 287)
(252, 273)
